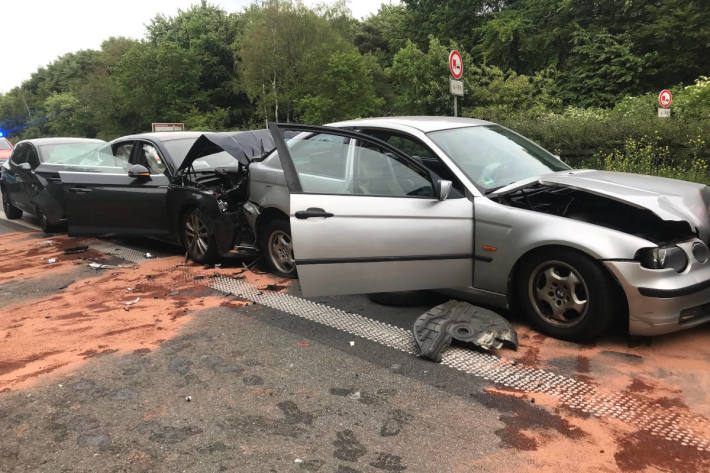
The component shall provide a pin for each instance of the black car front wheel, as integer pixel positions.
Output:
(197, 237)
(277, 245)
(44, 223)
(11, 212)
(566, 294)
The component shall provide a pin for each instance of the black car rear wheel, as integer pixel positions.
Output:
(566, 294)
(198, 238)
(11, 212)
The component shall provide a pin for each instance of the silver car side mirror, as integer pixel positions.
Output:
(443, 188)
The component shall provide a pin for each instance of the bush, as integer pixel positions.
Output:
(648, 156)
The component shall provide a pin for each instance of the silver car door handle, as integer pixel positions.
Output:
(312, 212)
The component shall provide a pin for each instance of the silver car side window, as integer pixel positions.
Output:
(379, 173)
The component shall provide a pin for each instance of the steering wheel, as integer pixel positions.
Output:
(491, 173)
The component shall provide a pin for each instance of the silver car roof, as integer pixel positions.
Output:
(424, 124)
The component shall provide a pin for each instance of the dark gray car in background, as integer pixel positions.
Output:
(30, 178)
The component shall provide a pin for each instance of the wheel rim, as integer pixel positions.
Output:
(281, 251)
(559, 294)
(196, 235)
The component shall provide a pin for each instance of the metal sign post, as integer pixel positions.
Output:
(455, 85)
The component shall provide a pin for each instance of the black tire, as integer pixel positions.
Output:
(276, 243)
(11, 212)
(544, 284)
(197, 237)
(44, 223)
(408, 298)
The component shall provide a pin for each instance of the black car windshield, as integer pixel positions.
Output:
(178, 150)
(493, 156)
(66, 153)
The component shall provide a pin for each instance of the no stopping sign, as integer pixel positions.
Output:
(665, 98)
(455, 64)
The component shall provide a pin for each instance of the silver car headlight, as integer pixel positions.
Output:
(662, 257)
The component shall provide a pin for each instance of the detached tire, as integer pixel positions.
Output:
(199, 241)
(11, 212)
(565, 294)
(277, 245)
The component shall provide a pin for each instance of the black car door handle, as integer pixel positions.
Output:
(312, 212)
(79, 190)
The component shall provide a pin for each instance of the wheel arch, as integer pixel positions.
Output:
(267, 215)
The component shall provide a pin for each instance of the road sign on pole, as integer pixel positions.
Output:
(665, 98)
(456, 86)
(455, 64)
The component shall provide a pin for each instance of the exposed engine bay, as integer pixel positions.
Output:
(598, 210)
(228, 185)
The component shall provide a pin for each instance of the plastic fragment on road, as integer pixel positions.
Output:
(435, 329)
(52, 260)
(76, 249)
(107, 266)
(46, 243)
(149, 256)
(303, 344)
(134, 301)
(352, 343)
(188, 398)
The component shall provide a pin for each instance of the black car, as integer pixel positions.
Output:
(30, 178)
(185, 187)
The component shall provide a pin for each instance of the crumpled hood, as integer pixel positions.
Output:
(243, 145)
(669, 199)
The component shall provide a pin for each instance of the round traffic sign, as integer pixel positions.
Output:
(665, 98)
(455, 64)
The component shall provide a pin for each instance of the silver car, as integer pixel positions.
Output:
(472, 208)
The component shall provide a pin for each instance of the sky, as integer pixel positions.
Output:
(36, 32)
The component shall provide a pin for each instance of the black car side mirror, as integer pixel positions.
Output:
(25, 166)
(138, 170)
(443, 188)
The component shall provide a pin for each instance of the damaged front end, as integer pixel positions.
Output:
(598, 210)
(214, 175)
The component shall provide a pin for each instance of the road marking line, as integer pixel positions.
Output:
(683, 428)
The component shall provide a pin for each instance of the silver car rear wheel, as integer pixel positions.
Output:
(281, 252)
(558, 293)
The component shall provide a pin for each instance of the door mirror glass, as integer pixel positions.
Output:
(25, 166)
(443, 188)
(138, 170)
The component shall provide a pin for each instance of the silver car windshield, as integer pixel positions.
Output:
(493, 156)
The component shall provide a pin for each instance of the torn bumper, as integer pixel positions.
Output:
(664, 301)
(225, 227)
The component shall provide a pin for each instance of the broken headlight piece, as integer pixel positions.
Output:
(662, 257)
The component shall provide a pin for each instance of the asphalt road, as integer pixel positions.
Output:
(157, 365)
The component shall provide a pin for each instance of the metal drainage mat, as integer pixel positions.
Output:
(686, 429)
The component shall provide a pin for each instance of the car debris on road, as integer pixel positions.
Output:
(435, 329)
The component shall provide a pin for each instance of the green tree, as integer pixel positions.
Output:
(280, 45)
(346, 91)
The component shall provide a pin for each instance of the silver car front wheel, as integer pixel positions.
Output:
(558, 293)
(566, 294)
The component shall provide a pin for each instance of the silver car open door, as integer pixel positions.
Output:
(367, 218)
